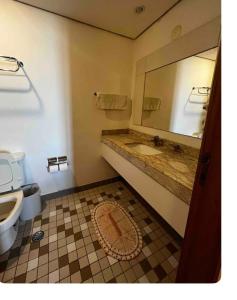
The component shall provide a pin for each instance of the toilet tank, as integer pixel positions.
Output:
(12, 175)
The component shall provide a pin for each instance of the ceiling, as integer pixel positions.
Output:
(209, 54)
(117, 16)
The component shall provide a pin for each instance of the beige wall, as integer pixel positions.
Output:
(190, 14)
(159, 84)
(67, 62)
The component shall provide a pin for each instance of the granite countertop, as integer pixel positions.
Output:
(173, 170)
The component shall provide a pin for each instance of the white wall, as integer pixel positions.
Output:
(66, 62)
(190, 14)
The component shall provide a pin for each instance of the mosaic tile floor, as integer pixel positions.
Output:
(70, 252)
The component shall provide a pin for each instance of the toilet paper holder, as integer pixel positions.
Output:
(56, 162)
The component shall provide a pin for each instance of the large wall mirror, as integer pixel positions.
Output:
(173, 83)
(176, 95)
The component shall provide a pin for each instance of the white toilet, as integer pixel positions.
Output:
(11, 196)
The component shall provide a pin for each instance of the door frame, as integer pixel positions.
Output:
(200, 260)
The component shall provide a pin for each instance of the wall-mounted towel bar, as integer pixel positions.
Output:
(201, 91)
(196, 94)
(9, 59)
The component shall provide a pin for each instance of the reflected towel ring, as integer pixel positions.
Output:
(10, 59)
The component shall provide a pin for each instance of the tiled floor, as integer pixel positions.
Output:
(70, 252)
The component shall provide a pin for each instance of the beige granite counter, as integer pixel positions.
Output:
(173, 170)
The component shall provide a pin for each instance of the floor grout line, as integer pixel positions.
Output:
(77, 243)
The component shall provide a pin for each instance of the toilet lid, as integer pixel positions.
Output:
(5, 172)
(8, 173)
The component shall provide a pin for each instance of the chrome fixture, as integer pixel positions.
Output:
(177, 148)
(9, 59)
(158, 141)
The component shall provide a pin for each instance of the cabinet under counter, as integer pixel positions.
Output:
(169, 206)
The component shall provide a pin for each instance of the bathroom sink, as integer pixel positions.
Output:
(143, 149)
(178, 166)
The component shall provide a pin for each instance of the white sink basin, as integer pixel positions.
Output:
(143, 149)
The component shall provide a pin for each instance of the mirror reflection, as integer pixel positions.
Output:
(176, 96)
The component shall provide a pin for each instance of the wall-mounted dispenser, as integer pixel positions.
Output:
(56, 164)
(62, 163)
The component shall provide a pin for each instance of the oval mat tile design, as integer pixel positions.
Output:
(117, 232)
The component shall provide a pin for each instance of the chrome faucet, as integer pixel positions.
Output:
(177, 148)
(158, 141)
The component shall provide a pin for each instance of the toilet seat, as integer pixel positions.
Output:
(9, 225)
(14, 214)
(11, 197)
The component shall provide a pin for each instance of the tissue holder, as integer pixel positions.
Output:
(56, 164)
